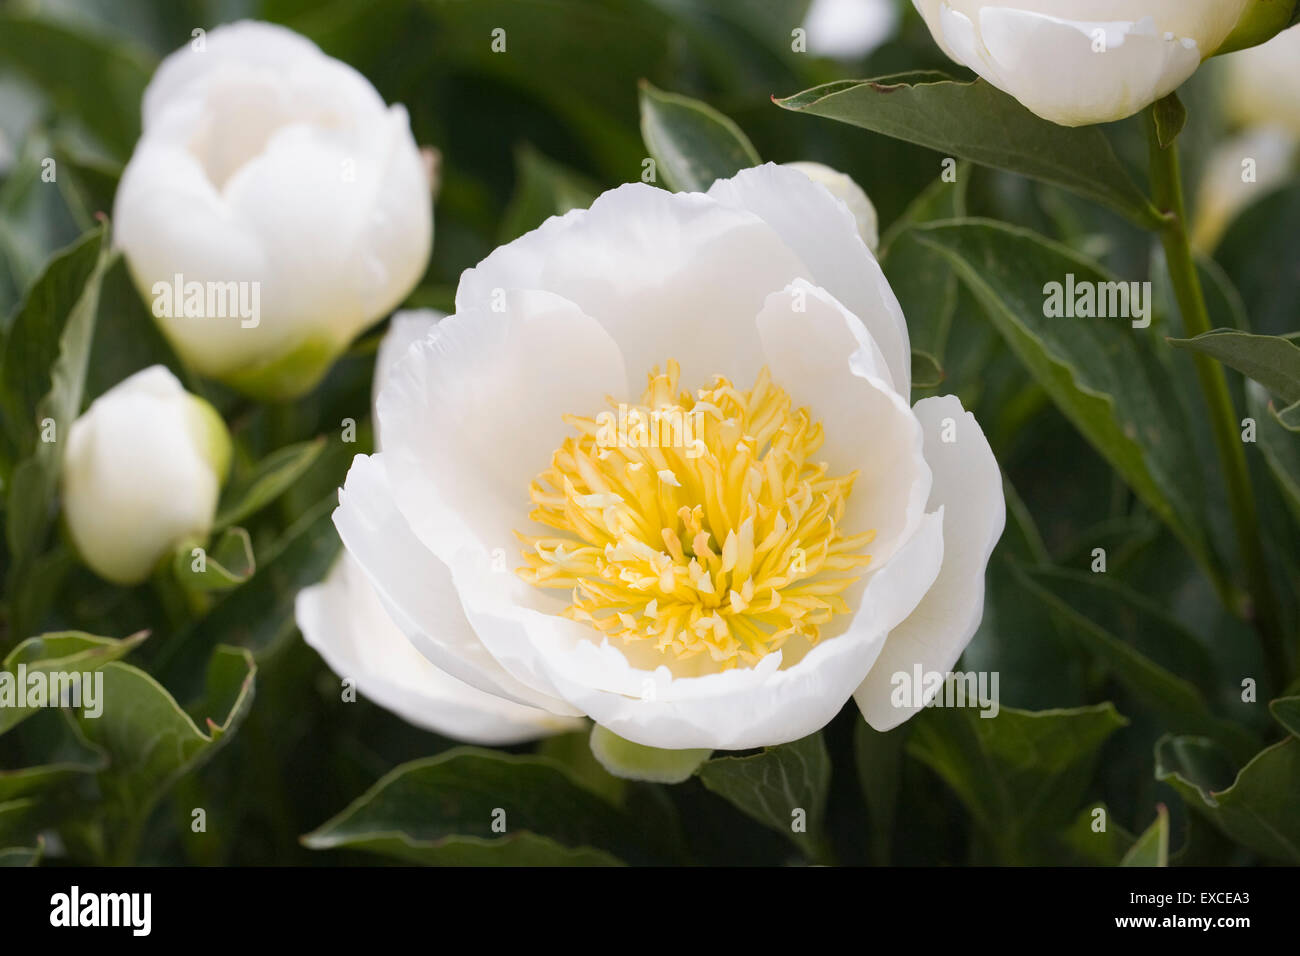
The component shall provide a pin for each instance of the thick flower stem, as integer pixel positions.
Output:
(1167, 193)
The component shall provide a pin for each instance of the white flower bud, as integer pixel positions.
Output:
(273, 209)
(843, 188)
(141, 475)
(1077, 62)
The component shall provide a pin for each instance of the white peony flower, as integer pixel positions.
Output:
(343, 619)
(843, 188)
(785, 533)
(1077, 62)
(141, 476)
(273, 209)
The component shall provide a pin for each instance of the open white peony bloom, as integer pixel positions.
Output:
(719, 560)
(343, 619)
(142, 473)
(273, 209)
(1077, 62)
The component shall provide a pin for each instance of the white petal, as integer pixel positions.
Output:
(968, 489)
(343, 619)
(732, 710)
(669, 275)
(752, 707)
(251, 70)
(843, 187)
(415, 587)
(473, 413)
(345, 225)
(823, 233)
(1051, 66)
(827, 362)
(404, 330)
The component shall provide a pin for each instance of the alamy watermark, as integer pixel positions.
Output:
(921, 688)
(74, 908)
(22, 689)
(1098, 300)
(208, 300)
(669, 427)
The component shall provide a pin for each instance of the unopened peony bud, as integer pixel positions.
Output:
(141, 476)
(1077, 62)
(273, 209)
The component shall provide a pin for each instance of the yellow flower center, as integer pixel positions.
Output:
(697, 523)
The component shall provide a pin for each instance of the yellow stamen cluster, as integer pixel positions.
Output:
(697, 523)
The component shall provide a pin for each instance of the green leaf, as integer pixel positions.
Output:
(543, 188)
(470, 806)
(978, 122)
(926, 372)
(1258, 809)
(783, 788)
(271, 477)
(1261, 21)
(1097, 847)
(62, 651)
(1019, 772)
(573, 752)
(22, 855)
(922, 279)
(229, 564)
(261, 610)
(33, 343)
(1264, 234)
(1286, 711)
(20, 819)
(54, 770)
(152, 742)
(1152, 847)
(1288, 418)
(1278, 444)
(1170, 116)
(879, 759)
(1143, 646)
(1271, 360)
(87, 74)
(1101, 373)
(44, 365)
(692, 143)
(633, 761)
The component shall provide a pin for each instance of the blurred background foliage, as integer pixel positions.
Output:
(532, 132)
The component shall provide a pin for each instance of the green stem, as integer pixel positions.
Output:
(1167, 192)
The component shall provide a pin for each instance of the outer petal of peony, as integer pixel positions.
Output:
(968, 490)
(344, 620)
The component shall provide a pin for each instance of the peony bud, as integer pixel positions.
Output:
(1077, 62)
(273, 209)
(141, 476)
